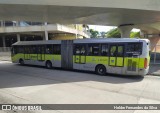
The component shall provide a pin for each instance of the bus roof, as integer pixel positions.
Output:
(37, 42)
(93, 40)
(110, 40)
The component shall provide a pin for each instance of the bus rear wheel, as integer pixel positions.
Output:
(101, 70)
(48, 65)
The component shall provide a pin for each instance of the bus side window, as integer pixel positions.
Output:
(21, 49)
(15, 50)
(76, 50)
(83, 50)
(134, 49)
(113, 52)
(104, 50)
(49, 49)
(79, 50)
(26, 50)
(38, 49)
(33, 50)
(43, 49)
(120, 51)
(93, 49)
(29, 49)
(56, 49)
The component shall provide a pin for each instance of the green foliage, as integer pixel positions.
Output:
(135, 35)
(103, 34)
(113, 33)
(94, 33)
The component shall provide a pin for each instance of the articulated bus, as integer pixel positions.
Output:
(118, 56)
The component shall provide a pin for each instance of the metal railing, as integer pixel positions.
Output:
(155, 54)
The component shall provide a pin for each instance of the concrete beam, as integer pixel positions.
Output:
(126, 4)
(100, 12)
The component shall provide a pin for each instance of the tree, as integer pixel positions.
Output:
(94, 33)
(103, 34)
(113, 33)
(135, 35)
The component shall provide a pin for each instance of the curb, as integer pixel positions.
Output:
(155, 74)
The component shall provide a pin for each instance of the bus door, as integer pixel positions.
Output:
(116, 58)
(27, 53)
(80, 54)
(41, 52)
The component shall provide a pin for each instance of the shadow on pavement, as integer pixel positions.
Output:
(14, 75)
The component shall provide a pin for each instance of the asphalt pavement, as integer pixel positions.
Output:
(37, 85)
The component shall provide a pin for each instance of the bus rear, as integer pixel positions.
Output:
(144, 57)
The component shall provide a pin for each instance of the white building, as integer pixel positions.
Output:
(12, 31)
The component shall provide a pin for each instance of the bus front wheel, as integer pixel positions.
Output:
(48, 65)
(21, 61)
(100, 70)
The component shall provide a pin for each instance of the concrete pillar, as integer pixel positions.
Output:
(17, 23)
(45, 32)
(125, 30)
(4, 42)
(18, 37)
(45, 23)
(143, 34)
(46, 35)
(1, 23)
(76, 31)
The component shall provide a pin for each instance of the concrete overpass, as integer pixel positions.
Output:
(124, 13)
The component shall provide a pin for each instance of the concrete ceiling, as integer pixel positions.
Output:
(97, 12)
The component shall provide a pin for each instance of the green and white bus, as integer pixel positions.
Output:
(124, 56)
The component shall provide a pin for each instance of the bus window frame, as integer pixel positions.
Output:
(133, 53)
(51, 51)
(107, 46)
(55, 52)
(81, 45)
(92, 44)
(112, 44)
(28, 47)
(33, 51)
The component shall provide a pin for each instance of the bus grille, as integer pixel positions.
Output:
(131, 65)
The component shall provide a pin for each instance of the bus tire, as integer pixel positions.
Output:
(100, 69)
(48, 65)
(21, 62)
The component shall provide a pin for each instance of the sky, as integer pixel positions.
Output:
(106, 28)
